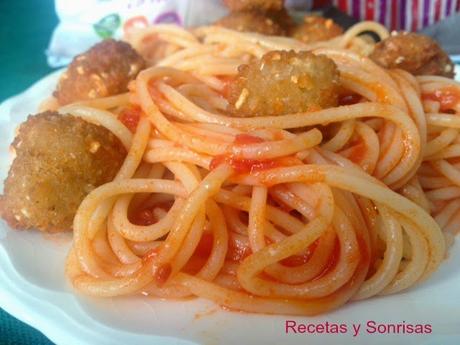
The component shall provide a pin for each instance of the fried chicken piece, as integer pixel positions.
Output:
(251, 21)
(275, 23)
(59, 160)
(415, 53)
(283, 82)
(261, 5)
(283, 19)
(104, 70)
(315, 29)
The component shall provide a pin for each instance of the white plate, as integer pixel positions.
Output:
(33, 289)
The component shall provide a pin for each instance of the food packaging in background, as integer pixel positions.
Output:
(83, 23)
(408, 15)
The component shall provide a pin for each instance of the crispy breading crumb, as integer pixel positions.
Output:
(284, 82)
(103, 70)
(59, 160)
(415, 53)
(315, 29)
(262, 5)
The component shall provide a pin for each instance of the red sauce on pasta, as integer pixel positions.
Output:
(130, 117)
(245, 139)
(143, 217)
(349, 99)
(162, 274)
(448, 97)
(297, 260)
(358, 152)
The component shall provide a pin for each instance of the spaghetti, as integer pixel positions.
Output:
(290, 214)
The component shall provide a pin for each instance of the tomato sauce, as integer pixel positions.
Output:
(447, 97)
(297, 260)
(150, 254)
(204, 247)
(143, 217)
(357, 152)
(130, 117)
(162, 274)
(246, 139)
(333, 260)
(237, 252)
(227, 83)
(349, 99)
(242, 165)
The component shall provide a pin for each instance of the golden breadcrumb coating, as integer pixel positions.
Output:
(104, 70)
(415, 53)
(262, 5)
(315, 29)
(251, 21)
(283, 82)
(59, 160)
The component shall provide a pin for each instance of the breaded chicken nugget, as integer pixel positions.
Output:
(103, 70)
(251, 21)
(283, 82)
(59, 160)
(262, 5)
(415, 53)
(315, 29)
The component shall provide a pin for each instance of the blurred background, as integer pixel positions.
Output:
(25, 30)
(26, 27)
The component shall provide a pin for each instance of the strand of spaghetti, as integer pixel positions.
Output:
(169, 32)
(361, 27)
(241, 301)
(346, 59)
(189, 244)
(222, 35)
(391, 157)
(445, 193)
(342, 136)
(100, 117)
(119, 246)
(177, 155)
(443, 217)
(161, 123)
(251, 266)
(407, 84)
(391, 258)
(317, 263)
(447, 170)
(199, 50)
(140, 233)
(96, 198)
(109, 287)
(340, 178)
(256, 233)
(216, 258)
(280, 148)
(106, 102)
(416, 270)
(275, 215)
(96, 218)
(440, 142)
(215, 134)
(443, 120)
(127, 170)
(414, 192)
(193, 204)
(370, 144)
